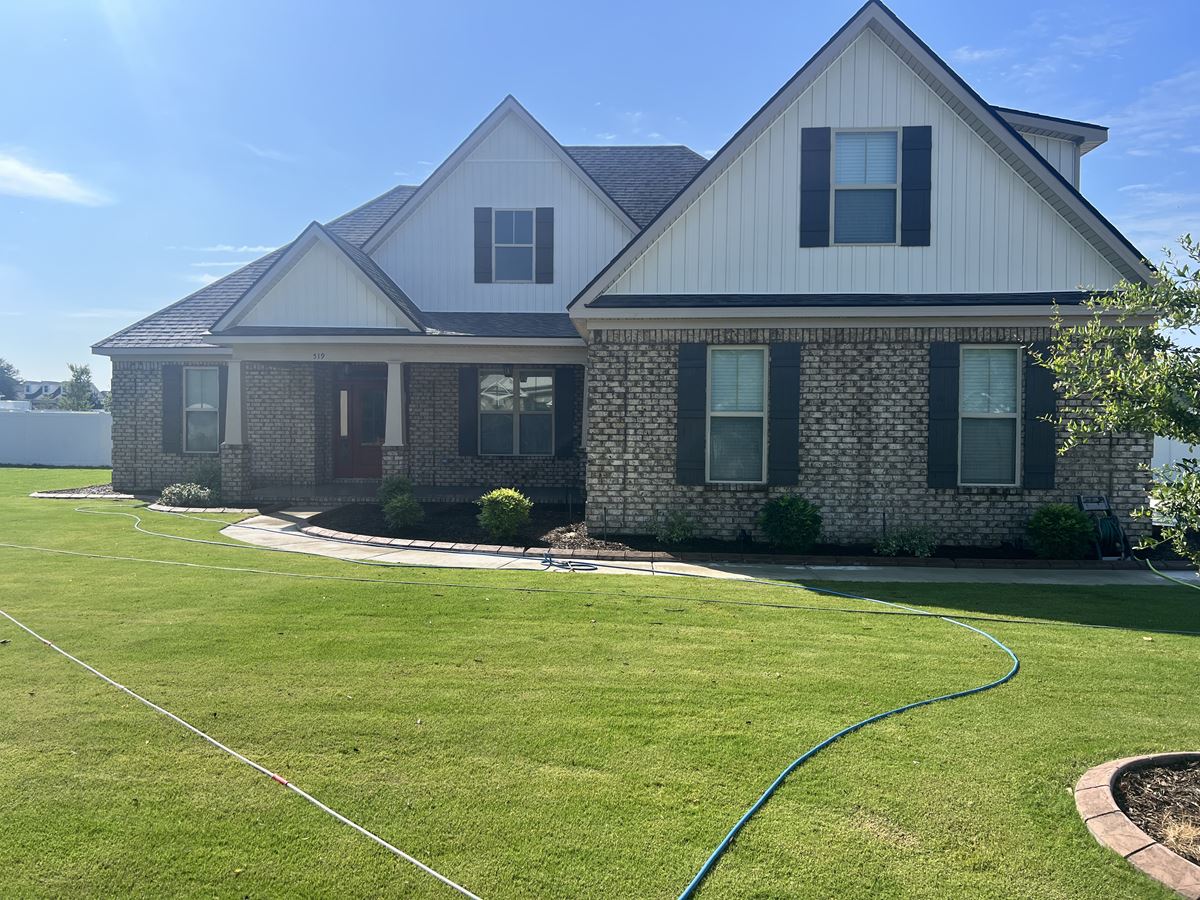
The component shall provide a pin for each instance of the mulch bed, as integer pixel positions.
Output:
(93, 490)
(1164, 801)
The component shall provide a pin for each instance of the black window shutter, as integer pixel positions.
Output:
(223, 393)
(690, 399)
(783, 428)
(543, 230)
(483, 245)
(172, 408)
(916, 185)
(564, 411)
(814, 187)
(1040, 400)
(943, 415)
(468, 411)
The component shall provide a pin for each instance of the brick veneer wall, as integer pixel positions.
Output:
(139, 463)
(282, 429)
(431, 451)
(863, 420)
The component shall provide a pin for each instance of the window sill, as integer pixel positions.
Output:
(990, 489)
(737, 486)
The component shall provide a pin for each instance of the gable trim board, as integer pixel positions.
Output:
(509, 106)
(314, 236)
(1005, 140)
(1086, 135)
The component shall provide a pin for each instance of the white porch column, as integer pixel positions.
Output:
(393, 423)
(233, 402)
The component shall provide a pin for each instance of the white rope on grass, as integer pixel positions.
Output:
(279, 779)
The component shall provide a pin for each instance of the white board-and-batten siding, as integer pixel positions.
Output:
(431, 253)
(324, 290)
(1063, 155)
(991, 232)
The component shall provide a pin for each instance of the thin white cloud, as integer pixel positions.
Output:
(968, 54)
(606, 136)
(222, 264)
(21, 179)
(268, 153)
(228, 248)
(1155, 216)
(1164, 116)
(105, 313)
(201, 278)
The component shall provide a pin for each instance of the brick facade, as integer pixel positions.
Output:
(862, 453)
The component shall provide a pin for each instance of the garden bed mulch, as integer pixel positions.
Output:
(558, 527)
(1164, 801)
(87, 492)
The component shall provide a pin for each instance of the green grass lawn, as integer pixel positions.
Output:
(554, 744)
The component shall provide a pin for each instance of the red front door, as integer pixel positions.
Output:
(359, 407)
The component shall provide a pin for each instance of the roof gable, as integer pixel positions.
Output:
(322, 280)
(1007, 144)
(508, 108)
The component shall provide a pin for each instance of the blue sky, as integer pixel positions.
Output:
(148, 147)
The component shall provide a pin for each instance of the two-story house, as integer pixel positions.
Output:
(840, 303)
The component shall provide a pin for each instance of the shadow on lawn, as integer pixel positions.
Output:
(1166, 608)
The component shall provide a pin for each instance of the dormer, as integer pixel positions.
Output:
(1061, 142)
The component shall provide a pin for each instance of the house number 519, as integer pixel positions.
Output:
(318, 356)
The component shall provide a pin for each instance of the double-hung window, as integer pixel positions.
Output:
(201, 410)
(737, 403)
(512, 244)
(989, 410)
(865, 178)
(516, 412)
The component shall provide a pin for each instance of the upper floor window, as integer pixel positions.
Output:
(865, 180)
(516, 412)
(989, 407)
(512, 244)
(201, 410)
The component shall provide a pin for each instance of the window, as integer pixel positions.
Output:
(989, 432)
(201, 410)
(864, 187)
(519, 421)
(737, 388)
(512, 244)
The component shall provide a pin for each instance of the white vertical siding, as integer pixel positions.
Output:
(991, 231)
(431, 254)
(323, 289)
(1063, 155)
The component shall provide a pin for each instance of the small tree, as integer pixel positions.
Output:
(1143, 378)
(78, 392)
(10, 378)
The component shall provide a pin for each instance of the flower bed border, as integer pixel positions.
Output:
(1096, 802)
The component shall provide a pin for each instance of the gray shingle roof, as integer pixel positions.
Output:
(642, 180)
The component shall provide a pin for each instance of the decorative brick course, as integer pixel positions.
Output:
(863, 439)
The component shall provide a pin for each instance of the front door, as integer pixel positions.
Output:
(359, 408)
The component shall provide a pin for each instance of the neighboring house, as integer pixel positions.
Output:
(42, 394)
(838, 303)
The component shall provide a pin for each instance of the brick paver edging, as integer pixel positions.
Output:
(1097, 804)
(241, 511)
(777, 559)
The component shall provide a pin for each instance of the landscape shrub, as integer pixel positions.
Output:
(392, 486)
(1060, 531)
(208, 474)
(503, 511)
(916, 540)
(402, 510)
(187, 494)
(675, 528)
(791, 523)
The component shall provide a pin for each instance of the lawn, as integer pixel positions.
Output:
(589, 741)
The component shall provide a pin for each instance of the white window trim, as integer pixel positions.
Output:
(532, 245)
(834, 187)
(184, 417)
(515, 372)
(1015, 415)
(708, 413)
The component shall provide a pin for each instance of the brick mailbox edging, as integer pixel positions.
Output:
(1097, 805)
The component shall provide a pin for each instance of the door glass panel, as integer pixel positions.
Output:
(374, 409)
(344, 413)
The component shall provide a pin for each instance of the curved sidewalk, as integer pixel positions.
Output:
(282, 532)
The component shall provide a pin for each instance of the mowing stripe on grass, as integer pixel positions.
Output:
(261, 769)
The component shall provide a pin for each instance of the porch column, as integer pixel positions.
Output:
(235, 455)
(393, 423)
(233, 402)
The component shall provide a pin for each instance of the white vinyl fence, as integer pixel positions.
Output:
(53, 438)
(1167, 451)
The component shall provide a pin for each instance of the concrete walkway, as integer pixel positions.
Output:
(282, 533)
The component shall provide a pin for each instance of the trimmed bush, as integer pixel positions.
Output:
(402, 510)
(1060, 531)
(188, 494)
(917, 540)
(790, 523)
(675, 528)
(392, 486)
(503, 512)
